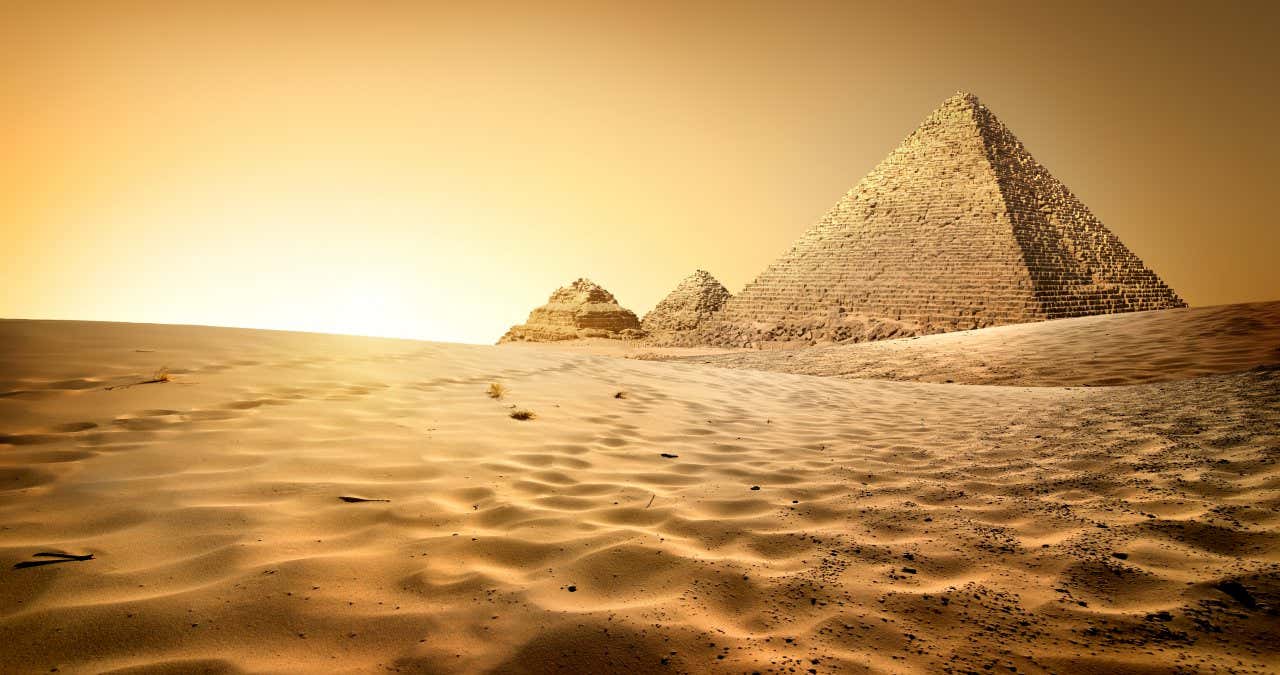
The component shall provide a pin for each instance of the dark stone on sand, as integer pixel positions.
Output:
(1238, 592)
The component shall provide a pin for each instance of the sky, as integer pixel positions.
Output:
(436, 170)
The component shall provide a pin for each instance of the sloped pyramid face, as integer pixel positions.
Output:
(693, 302)
(957, 228)
(581, 309)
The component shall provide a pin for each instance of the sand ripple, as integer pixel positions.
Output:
(805, 523)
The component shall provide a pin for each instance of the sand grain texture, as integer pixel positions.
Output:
(898, 526)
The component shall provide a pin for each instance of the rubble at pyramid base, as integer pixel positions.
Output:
(534, 333)
(764, 335)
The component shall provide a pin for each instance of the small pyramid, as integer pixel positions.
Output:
(694, 301)
(958, 228)
(580, 310)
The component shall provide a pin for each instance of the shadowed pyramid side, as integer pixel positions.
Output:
(1077, 265)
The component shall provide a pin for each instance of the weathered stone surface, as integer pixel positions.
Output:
(957, 228)
(581, 309)
(693, 302)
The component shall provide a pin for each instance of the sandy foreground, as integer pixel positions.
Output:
(652, 517)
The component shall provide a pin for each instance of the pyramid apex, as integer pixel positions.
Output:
(961, 97)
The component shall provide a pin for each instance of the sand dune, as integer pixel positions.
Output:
(803, 525)
(1109, 349)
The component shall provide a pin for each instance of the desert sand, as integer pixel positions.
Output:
(652, 516)
(1107, 349)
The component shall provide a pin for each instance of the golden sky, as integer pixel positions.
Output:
(436, 170)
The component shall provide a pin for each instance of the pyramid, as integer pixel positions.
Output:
(580, 310)
(695, 301)
(957, 228)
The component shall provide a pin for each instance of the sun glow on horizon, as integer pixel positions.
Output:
(436, 170)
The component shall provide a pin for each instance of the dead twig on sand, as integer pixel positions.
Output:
(57, 558)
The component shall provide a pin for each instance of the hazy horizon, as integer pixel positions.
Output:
(435, 172)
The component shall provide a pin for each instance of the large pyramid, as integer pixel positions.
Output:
(957, 228)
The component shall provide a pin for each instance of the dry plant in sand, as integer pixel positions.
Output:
(522, 414)
(161, 375)
(496, 390)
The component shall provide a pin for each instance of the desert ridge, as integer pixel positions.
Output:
(1099, 350)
